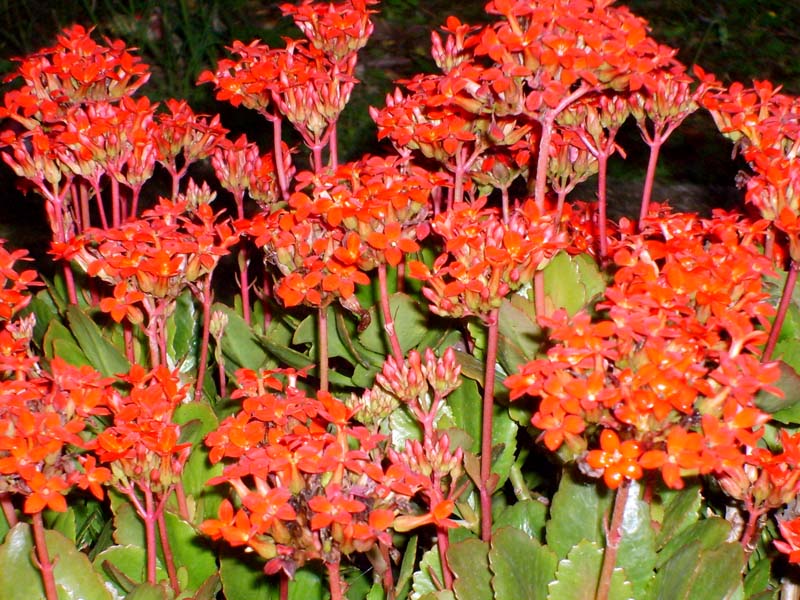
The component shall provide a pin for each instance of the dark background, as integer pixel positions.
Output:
(735, 39)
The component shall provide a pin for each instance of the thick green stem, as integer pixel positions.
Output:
(783, 307)
(486, 427)
(613, 538)
(205, 334)
(43, 558)
(322, 343)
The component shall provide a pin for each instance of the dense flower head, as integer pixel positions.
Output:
(484, 258)
(75, 70)
(159, 254)
(666, 376)
(763, 124)
(42, 414)
(141, 444)
(313, 484)
(339, 30)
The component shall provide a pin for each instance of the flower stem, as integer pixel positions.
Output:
(334, 580)
(322, 320)
(443, 543)
(149, 518)
(9, 512)
(165, 547)
(486, 427)
(388, 322)
(613, 538)
(650, 176)
(201, 367)
(602, 205)
(783, 307)
(43, 558)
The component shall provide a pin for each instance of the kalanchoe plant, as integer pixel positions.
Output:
(434, 377)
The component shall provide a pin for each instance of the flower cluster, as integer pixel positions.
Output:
(667, 379)
(484, 258)
(763, 124)
(312, 484)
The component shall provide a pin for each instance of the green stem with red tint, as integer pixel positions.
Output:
(486, 425)
(43, 558)
(613, 539)
(322, 344)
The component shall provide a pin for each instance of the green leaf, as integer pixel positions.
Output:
(102, 354)
(183, 331)
(681, 510)
(308, 331)
(709, 533)
(578, 574)
(243, 578)
(406, 568)
(147, 591)
(307, 584)
(20, 579)
(46, 312)
(522, 567)
(410, 323)
(469, 561)
(577, 513)
(519, 337)
(563, 287)
(190, 550)
(504, 443)
(59, 341)
(694, 572)
(465, 404)
(637, 549)
(590, 275)
(240, 347)
(121, 565)
(63, 522)
(198, 419)
(528, 516)
(422, 582)
(786, 409)
(758, 578)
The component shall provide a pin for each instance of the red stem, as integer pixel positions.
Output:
(613, 538)
(602, 205)
(283, 586)
(168, 558)
(647, 192)
(443, 542)
(486, 428)
(783, 307)
(149, 519)
(43, 558)
(388, 322)
(334, 580)
(183, 507)
(7, 504)
(388, 577)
